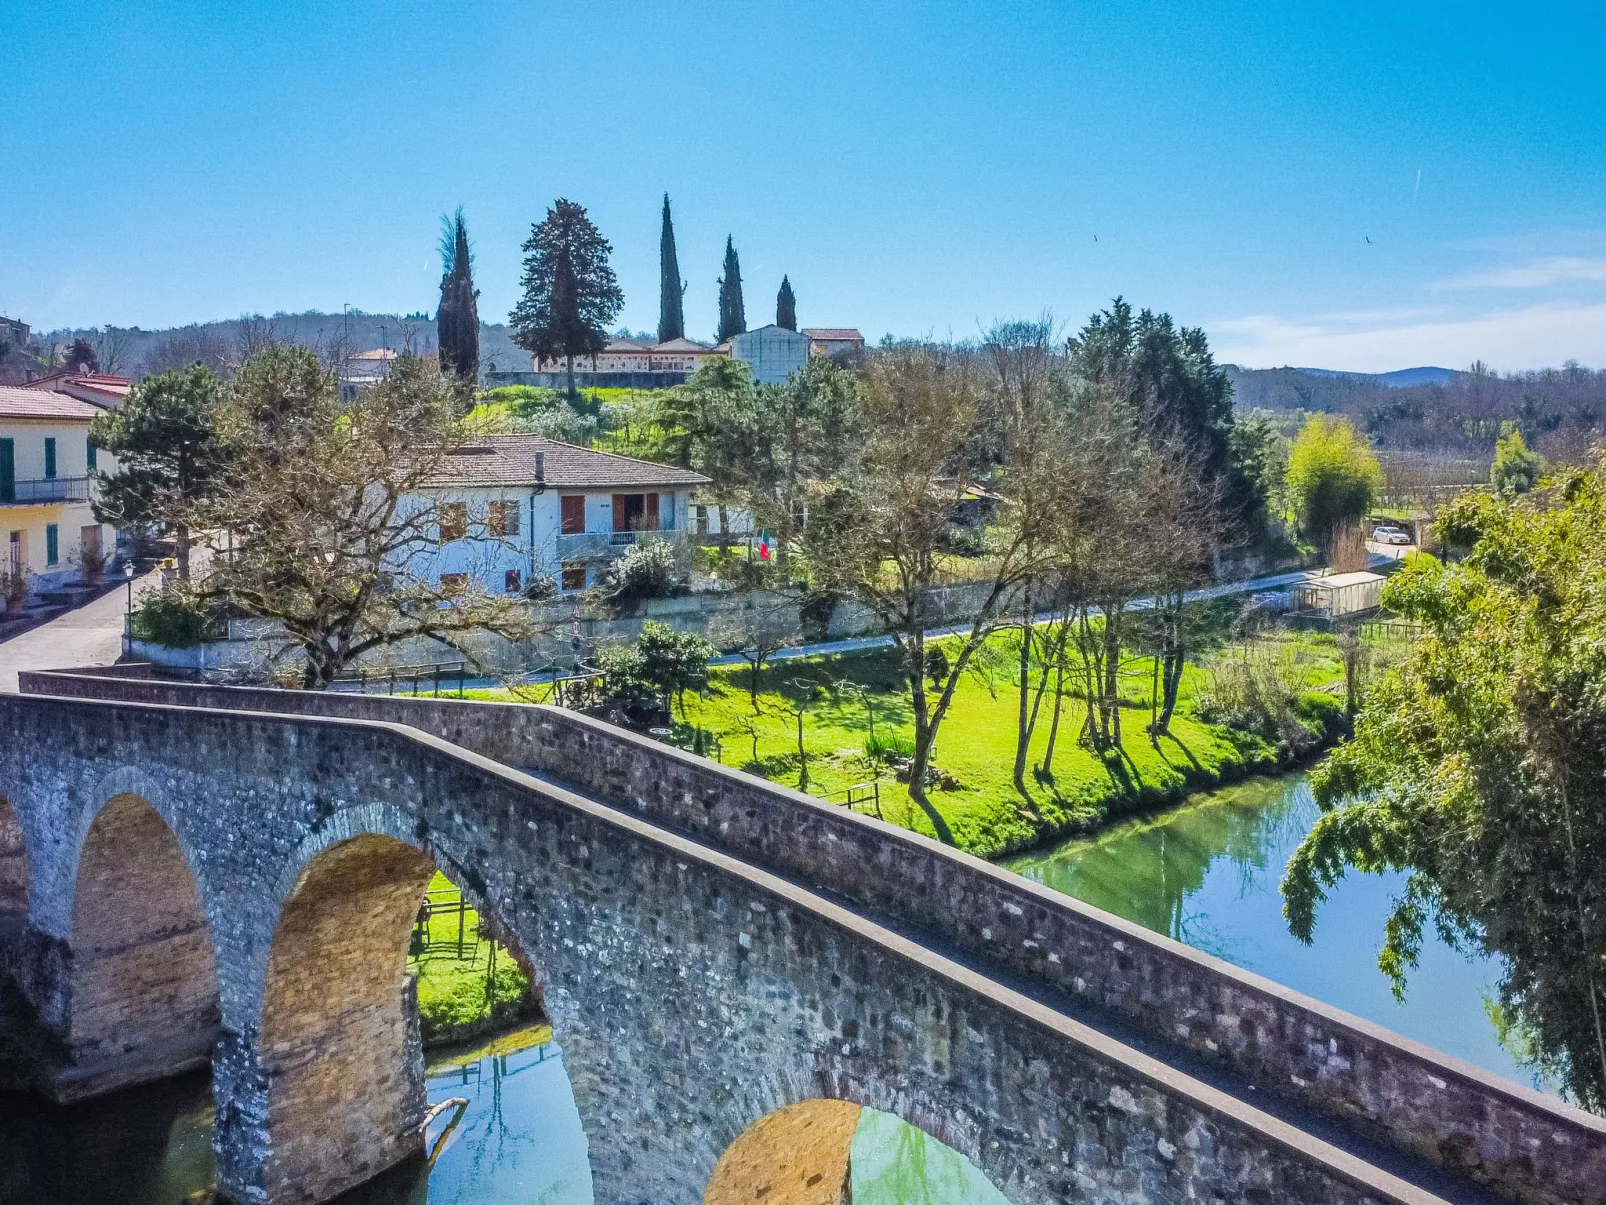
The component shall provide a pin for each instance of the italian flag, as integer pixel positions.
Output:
(764, 545)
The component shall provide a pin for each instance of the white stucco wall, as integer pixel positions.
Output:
(536, 549)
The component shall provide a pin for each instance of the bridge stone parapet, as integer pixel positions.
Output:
(1517, 1142)
(693, 993)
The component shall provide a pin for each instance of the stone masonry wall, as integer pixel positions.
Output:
(693, 994)
(1527, 1146)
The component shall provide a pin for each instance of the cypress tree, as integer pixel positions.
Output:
(671, 318)
(786, 306)
(457, 320)
(732, 314)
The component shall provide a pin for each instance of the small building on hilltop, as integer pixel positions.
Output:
(834, 340)
(772, 353)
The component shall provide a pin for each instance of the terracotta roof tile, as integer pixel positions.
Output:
(509, 460)
(833, 334)
(18, 402)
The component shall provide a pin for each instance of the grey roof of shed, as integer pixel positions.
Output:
(509, 460)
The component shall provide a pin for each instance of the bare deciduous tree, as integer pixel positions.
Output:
(896, 514)
(331, 520)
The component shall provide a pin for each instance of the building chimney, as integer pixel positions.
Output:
(540, 468)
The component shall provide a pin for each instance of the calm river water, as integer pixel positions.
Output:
(1205, 874)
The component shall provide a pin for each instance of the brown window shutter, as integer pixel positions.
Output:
(652, 512)
(574, 514)
(621, 521)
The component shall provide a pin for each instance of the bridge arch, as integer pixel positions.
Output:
(143, 978)
(826, 1152)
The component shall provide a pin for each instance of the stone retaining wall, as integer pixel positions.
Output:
(1527, 1146)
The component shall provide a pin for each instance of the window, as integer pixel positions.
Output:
(504, 519)
(454, 521)
(573, 507)
(574, 575)
(513, 582)
(453, 584)
(89, 454)
(52, 544)
(50, 456)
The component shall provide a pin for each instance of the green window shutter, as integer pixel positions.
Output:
(50, 456)
(8, 470)
(89, 454)
(52, 544)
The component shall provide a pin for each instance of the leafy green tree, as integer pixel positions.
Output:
(1333, 477)
(169, 455)
(1479, 768)
(1516, 469)
(732, 314)
(81, 357)
(1183, 397)
(570, 296)
(457, 320)
(671, 289)
(786, 306)
(711, 426)
(672, 662)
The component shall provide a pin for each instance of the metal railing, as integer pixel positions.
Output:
(36, 490)
(599, 543)
(415, 680)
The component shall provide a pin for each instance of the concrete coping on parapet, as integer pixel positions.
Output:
(1167, 1080)
(1438, 1063)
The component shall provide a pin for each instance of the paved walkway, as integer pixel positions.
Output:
(90, 635)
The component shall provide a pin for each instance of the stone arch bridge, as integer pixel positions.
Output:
(192, 873)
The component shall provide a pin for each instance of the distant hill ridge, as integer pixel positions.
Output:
(1400, 378)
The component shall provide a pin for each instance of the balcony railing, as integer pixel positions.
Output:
(608, 543)
(37, 490)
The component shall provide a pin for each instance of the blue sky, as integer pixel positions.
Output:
(918, 168)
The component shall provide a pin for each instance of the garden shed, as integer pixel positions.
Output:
(1338, 595)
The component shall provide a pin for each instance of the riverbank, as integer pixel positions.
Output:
(468, 984)
(841, 724)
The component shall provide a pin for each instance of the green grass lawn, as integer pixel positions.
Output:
(976, 744)
(456, 984)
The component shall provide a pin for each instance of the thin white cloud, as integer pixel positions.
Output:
(1535, 274)
(1531, 337)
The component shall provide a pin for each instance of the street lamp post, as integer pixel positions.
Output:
(128, 576)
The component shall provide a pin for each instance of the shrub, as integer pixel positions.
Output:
(1260, 691)
(171, 618)
(650, 569)
(541, 588)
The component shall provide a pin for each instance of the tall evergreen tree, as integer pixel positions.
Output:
(671, 290)
(732, 314)
(786, 306)
(457, 321)
(571, 296)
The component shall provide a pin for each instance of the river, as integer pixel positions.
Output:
(1205, 873)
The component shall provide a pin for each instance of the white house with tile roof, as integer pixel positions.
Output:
(518, 507)
(47, 528)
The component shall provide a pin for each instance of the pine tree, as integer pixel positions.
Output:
(671, 318)
(571, 296)
(457, 321)
(786, 306)
(732, 314)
